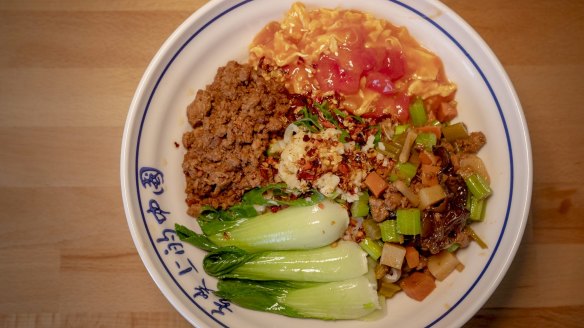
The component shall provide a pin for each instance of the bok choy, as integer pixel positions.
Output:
(340, 261)
(293, 228)
(346, 299)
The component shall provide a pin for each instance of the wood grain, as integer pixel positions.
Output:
(68, 71)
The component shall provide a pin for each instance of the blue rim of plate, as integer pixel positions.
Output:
(413, 10)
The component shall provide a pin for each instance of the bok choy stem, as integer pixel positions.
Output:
(293, 228)
(340, 261)
(346, 299)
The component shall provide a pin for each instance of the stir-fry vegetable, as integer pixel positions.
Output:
(408, 221)
(455, 131)
(478, 186)
(341, 261)
(346, 299)
(389, 232)
(360, 207)
(418, 113)
(372, 247)
(292, 228)
(418, 285)
(376, 183)
(442, 264)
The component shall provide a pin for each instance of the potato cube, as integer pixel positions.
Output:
(393, 255)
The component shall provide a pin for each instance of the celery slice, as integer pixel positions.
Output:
(360, 207)
(372, 247)
(406, 171)
(454, 132)
(427, 140)
(408, 221)
(477, 209)
(418, 113)
(401, 128)
(393, 148)
(389, 232)
(372, 229)
(478, 186)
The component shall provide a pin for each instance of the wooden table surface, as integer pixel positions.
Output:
(68, 71)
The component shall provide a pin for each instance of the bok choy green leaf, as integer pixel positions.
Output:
(340, 261)
(201, 241)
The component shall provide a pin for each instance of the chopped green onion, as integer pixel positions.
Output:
(401, 128)
(359, 119)
(427, 140)
(372, 247)
(408, 221)
(406, 171)
(454, 132)
(326, 113)
(477, 209)
(340, 113)
(309, 121)
(377, 136)
(372, 229)
(477, 186)
(344, 137)
(418, 113)
(360, 207)
(389, 232)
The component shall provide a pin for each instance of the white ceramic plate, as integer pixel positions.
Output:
(153, 182)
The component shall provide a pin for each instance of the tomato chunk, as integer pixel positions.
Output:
(331, 76)
(393, 65)
(395, 105)
(327, 73)
(402, 107)
(368, 57)
(380, 82)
